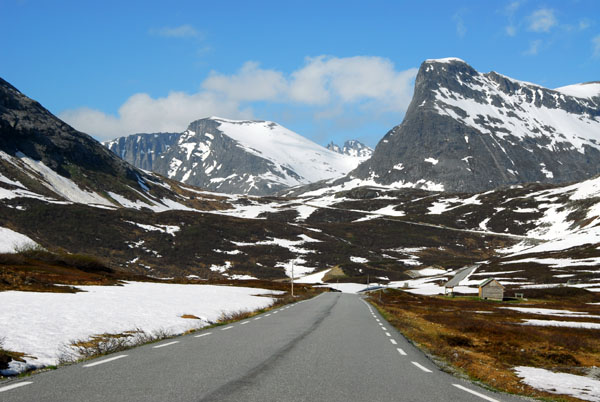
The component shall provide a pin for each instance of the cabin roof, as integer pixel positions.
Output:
(488, 281)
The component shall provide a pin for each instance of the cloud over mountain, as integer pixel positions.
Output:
(323, 84)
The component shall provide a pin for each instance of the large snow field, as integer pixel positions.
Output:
(42, 324)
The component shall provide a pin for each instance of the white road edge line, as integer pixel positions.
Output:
(226, 328)
(402, 352)
(384, 328)
(388, 334)
(425, 369)
(268, 315)
(487, 398)
(257, 318)
(104, 361)
(165, 344)
(201, 335)
(245, 322)
(17, 385)
(393, 341)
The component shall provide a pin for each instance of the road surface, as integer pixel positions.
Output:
(334, 347)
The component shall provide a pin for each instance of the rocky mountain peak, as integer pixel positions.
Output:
(353, 148)
(471, 131)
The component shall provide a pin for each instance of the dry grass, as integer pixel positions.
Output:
(103, 344)
(479, 339)
(334, 273)
(190, 316)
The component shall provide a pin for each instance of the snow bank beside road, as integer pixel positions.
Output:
(40, 324)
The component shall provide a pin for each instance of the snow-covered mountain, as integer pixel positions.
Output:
(469, 131)
(352, 148)
(242, 157)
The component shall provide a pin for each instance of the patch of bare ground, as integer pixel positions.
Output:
(37, 270)
(485, 342)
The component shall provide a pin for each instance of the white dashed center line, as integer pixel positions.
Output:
(402, 352)
(105, 361)
(268, 315)
(487, 398)
(425, 369)
(257, 318)
(201, 335)
(165, 344)
(17, 385)
(226, 328)
(388, 334)
(245, 322)
(393, 341)
(384, 328)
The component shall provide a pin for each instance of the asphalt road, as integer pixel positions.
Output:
(334, 347)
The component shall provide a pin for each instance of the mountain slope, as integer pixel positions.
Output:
(467, 131)
(240, 157)
(43, 157)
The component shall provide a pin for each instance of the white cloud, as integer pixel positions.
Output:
(596, 47)
(542, 20)
(511, 30)
(534, 48)
(181, 31)
(583, 24)
(326, 80)
(142, 113)
(510, 11)
(329, 85)
(251, 83)
(461, 29)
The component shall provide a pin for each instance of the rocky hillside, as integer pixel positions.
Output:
(469, 131)
(236, 157)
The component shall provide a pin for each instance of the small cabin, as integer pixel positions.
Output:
(491, 289)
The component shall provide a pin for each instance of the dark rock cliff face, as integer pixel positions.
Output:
(466, 131)
(141, 150)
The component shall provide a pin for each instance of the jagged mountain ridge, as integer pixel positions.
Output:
(465, 131)
(352, 148)
(240, 157)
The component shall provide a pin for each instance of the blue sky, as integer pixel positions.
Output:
(329, 70)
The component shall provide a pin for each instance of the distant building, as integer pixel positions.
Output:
(491, 289)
